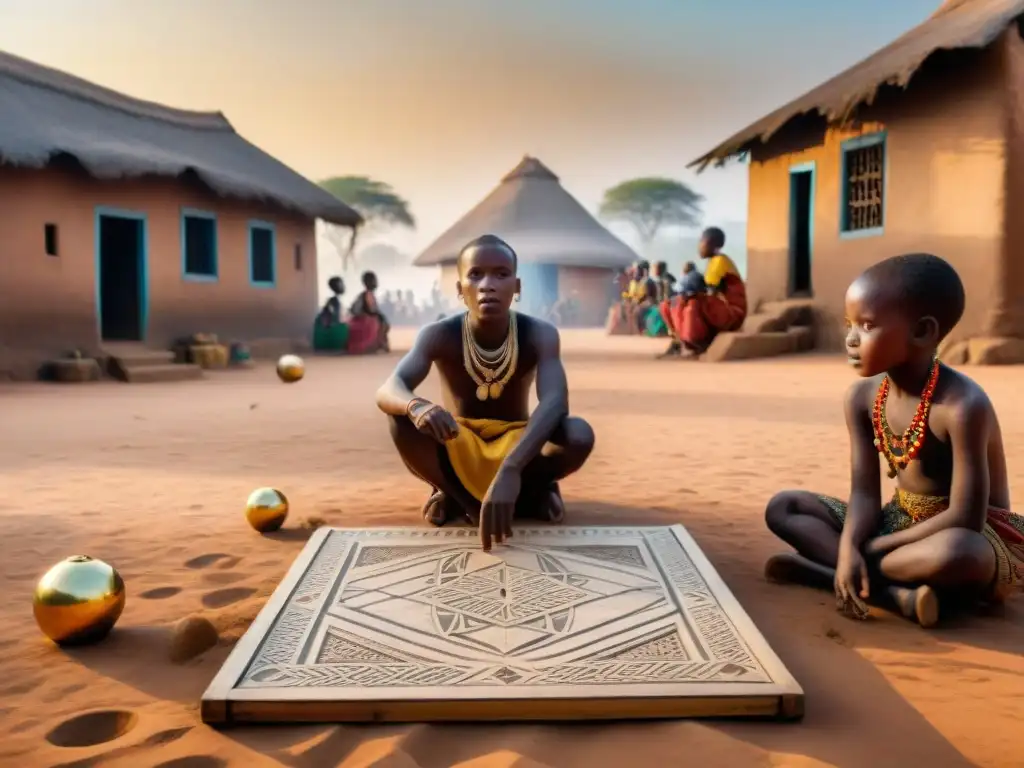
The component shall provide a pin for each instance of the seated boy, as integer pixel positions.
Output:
(692, 282)
(947, 531)
(485, 453)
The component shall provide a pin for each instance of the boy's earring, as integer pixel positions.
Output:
(518, 297)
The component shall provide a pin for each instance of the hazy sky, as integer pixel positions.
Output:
(441, 97)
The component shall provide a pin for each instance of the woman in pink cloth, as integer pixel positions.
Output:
(368, 328)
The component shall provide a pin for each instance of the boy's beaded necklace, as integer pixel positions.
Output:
(490, 370)
(900, 451)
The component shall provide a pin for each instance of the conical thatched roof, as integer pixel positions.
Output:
(957, 24)
(47, 113)
(539, 219)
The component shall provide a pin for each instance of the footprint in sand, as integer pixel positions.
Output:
(194, 761)
(92, 728)
(835, 635)
(20, 688)
(162, 738)
(905, 676)
(222, 579)
(221, 598)
(24, 725)
(160, 593)
(205, 561)
(121, 754)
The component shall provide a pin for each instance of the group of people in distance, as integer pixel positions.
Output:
(363, 330)
(704, 305)
(947, 535)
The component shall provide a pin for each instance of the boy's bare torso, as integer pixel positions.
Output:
(932, 473)
(459, 390)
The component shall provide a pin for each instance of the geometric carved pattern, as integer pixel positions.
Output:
(341, 647)
(621, 555)
(540, 615)
(563, 612)
(666, 646)
(375, 555)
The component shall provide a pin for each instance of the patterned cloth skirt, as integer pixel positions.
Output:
(1003, 529)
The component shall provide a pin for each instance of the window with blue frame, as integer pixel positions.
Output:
(262, 261)
(863, 192)
(199, 245)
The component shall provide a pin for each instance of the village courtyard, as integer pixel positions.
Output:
(153, 479)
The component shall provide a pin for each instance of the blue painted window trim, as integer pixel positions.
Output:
(197, 277)
(255, 225)
(860, 142)
(98, 213)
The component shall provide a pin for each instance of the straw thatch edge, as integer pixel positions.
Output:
(957, 25)
(141, 138)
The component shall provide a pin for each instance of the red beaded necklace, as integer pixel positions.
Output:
(899, 451)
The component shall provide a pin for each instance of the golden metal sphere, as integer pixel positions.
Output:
(78, 600)
(290, 368)
(266, 509)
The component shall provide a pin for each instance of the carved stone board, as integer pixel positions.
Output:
(562, 623)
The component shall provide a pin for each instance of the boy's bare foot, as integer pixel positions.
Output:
(920, 604)
(435, 511)
(791, 568)
(556, 507)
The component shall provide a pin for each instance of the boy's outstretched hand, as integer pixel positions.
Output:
(498, 507)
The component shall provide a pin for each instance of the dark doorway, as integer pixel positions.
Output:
(122, 288)
(801, 229)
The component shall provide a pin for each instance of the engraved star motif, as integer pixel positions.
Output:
(505, 595)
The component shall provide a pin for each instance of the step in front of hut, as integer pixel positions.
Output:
(137, 364)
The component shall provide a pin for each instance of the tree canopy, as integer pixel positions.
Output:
(650, 204)
(378, 203)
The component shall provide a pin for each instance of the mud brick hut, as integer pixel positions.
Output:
(564, 252)
(126, 221)
(920, 147)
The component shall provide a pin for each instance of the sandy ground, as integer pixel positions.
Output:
(152, 478)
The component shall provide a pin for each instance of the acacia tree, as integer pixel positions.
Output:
(651, 203)
(378, 203)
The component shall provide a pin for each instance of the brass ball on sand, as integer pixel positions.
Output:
(78, 600)
(266, 509)
(290, 368)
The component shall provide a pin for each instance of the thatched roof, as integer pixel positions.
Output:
(46, 114)
(957, 24)
(536, 216)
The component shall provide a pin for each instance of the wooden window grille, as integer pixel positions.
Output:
(865, 187)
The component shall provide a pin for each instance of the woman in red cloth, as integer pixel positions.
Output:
(695, 318)
(368, 328)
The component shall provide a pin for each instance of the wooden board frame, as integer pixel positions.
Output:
(232, 697)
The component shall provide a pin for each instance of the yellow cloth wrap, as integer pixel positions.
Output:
(719, 266)
(477, 451)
